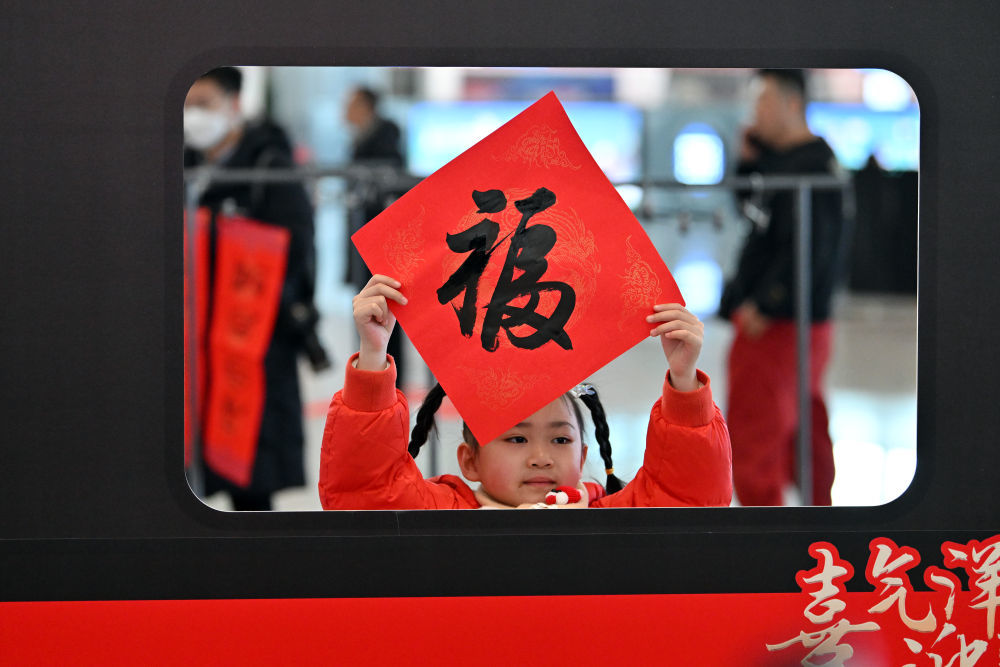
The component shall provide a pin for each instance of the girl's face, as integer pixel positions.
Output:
(530, 459)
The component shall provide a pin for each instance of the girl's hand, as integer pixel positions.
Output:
(681, 335)
(374, 321)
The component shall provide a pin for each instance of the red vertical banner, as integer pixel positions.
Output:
(196, 267)
(250, 259)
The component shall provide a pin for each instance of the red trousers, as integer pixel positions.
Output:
(763, 416)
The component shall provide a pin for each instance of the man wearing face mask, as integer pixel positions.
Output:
(216, 134)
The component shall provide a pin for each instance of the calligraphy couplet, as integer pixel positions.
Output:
(199, 268)
(250, 264)
(524, 270)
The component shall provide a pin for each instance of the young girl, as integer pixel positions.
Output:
(366, 463)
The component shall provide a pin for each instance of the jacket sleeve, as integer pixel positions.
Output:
(364, 463)
(687, 462)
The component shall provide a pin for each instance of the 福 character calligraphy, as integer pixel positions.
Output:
(525, 256)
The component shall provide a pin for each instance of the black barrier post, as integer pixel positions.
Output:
(803, 320)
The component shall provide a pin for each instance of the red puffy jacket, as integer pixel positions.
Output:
(364, 463)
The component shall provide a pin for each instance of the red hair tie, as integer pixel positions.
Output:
(563, 495)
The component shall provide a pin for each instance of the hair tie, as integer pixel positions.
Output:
(583, 389)
(609, 471)
(563, 495)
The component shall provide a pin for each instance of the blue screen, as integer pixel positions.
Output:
(439, 131)
(856, 132)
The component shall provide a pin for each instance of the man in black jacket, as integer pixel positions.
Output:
(216, 134)
(377, 146)
(762, 408)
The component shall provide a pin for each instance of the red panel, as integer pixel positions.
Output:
(725, 629)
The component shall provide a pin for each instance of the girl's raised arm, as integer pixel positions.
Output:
(681, 334)
(374, 321)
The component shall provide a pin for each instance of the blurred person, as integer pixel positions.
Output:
(216, 134)
(376, 143)
(759, 299)
(375, 137)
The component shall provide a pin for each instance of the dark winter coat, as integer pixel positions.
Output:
(279, 460)
(380, 146)
(765, 273)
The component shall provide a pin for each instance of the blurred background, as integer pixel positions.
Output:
(676, 125)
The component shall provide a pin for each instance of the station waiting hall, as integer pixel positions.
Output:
(344, 143)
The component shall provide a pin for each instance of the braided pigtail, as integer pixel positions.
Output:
(425, 419)
(588, 395)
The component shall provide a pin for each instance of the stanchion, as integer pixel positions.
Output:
(803, 325)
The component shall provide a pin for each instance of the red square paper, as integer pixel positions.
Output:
(561, 288)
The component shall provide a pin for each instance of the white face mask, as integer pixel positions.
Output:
(204, 129)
